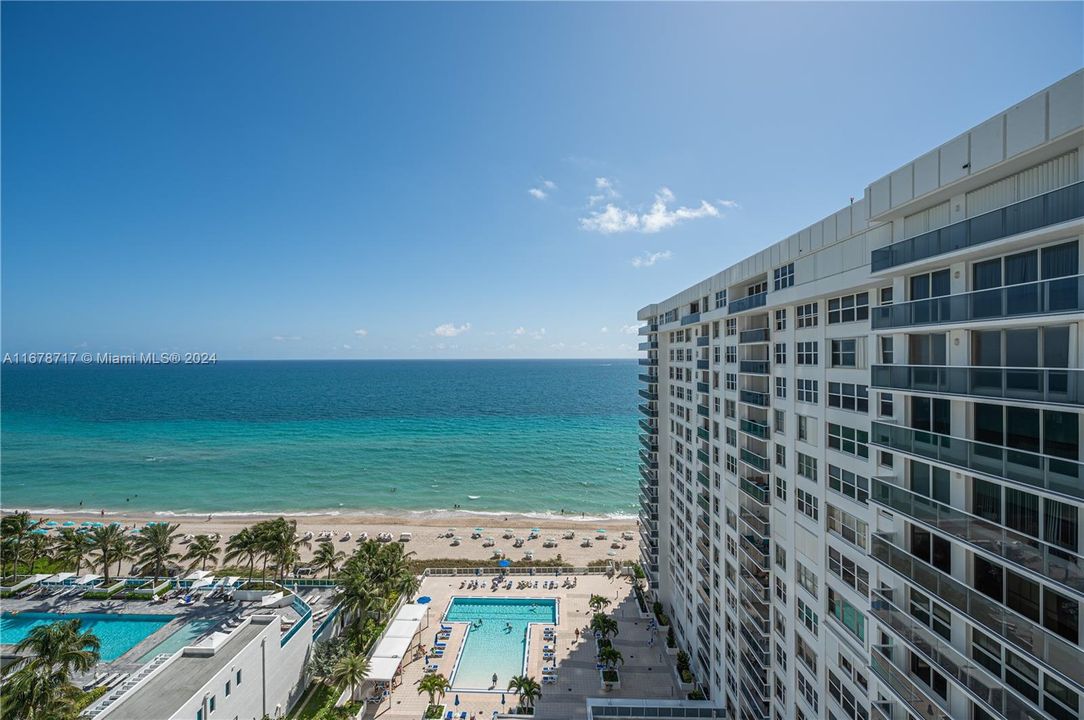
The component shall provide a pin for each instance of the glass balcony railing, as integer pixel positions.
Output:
(649, 442)
(1053, 474)
(975, 679)
(1053, 563)
(690, 318)
(703, 479)
(1045, 297)
(648, 461)
(703, 434)
(756, 429)
(702, 341)
(1062, 386)
(921, 703)
(758, 461)
(649, 427)
(651, 345)
(702, 365)
(756, 490)
(756, 335)
(702, 410)
(650, 379)
(702, 456)
(702, 387)
(648, 329)
(647, 410)
(760, 399)
(648, 361)
(755, 367)
(1050, 208)
(757, 524)
(650, 477)
(648, 395)
(748, 303)
(1025, 635)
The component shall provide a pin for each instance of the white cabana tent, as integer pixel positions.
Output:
(394, 646)
(87, 579)
(58, 579)
(411, 611)
(402, 628)
(198, 575)
(203, 584)
(382, 669)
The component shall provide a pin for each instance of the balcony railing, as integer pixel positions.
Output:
(754, 428)
(648, 329)
(649, 427)
(1062, 386)
(703, 479)
(974, 678)
(1053, 474)
(921, 702)
(647, 410)
(753, 397)
(703, 456)
(648, 395)
(756, 490)
(648, 461)
(756, 335)
(758, 461)
(755, 367)
(1017, 630)
(703, 434)
(1053, 563)
(702, 365)
(650, 379)
(747, 303)
(651, 345)
(1050, 208)
(690, 318)
(650, 443)
(702, 410)
(648, 361)
(703, 341)
(1044, 297)
(702, 387)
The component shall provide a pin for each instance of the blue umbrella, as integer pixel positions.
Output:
(69, 523)
(424, 600)
(52, 523)
(457, 699)
(504, 563)
(39, 531)
(502, 698)
(86, 523)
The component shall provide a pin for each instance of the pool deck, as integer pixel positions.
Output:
(647, 672)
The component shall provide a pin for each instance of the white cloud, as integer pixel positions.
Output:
(606, 190)
(539, 334)
(543, 191)
(361, 332)
(613, 219)
(604, 329)
(346, 347)
(520, 331)
(286, 338)
(450, 329)
(549, 184)
(729, 204)
(537, 194)
(630, 329)
(649, 259)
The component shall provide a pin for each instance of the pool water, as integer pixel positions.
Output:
(187, 635)
(493, 647)
(118, 633)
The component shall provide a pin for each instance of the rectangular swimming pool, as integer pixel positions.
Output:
(496, 639)
(118, 632)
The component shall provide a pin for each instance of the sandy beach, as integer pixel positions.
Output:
(428, 532)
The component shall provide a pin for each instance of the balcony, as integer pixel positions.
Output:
(649, 442)
(648, 329)
(755, 367)
(757, 550)
(648, 395)
(1025, 635)
(703, 341)
(758, 525)
(648, 461)
(752, 397)
(650, 379)
(647, 410)
(652, 345)
(703, 479)
(975, 679)
(649, 509)
(757, 335)
(1051, 208)
(1057, 475)
(919, 702)
(748, 303)
(702, 410)
(756, 488)
(703, 433)
(649, 427)
(703, 456)
(1045, 560)
(758, 461)
(690, 319)
(650, 477)
(649, 361)
(1058, 386)
(704, 503)
(754, 428)
(703, 523)
(702, 387)
(702, 365)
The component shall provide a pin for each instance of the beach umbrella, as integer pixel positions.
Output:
(39, 531)
(602, 531)
(86, 523)
(502, 699)
(611, 552)
(69, 523)
(52, 523)
(534, 530)
(457, 699)
(424, 600)
(504, 563)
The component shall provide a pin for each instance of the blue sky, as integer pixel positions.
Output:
(373, 180)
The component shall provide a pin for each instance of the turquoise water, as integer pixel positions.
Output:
(247, 437)
(187, 635)
(493, 647)
(118, 633)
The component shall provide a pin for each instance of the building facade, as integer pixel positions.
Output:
(862, 487)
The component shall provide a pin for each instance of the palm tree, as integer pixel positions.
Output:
(60, 647)
(528, 688)
(611, 657)
(39, 696)
(107, 541)
(407, 584)
(604, 625)
(598, 602)
(349, 672)
(37, 547)
(245, 544)
(16, 530)
(155, 546)
(122, 551)
(327, 557)
(72, 547)
(203, 549)
(436, 685)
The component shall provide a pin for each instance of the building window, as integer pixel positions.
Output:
(886, 296)
(720, 298)
(781, 319)
(731, 381)
(808, 352)
(887, 356)
(807, 391)
(731, 353)
(237, 678)
(780, 421)
(805, 653)
(731, 464)
(847, 614)
(781, 590)
(781, 455)
(807, 315)
(847, 526)
(845, 353)
(885, 405)
(731, 409)
(849, 484)
(806, 503)
(807, 467)
(227, 688)
(731, 326)
(780, 353)
(783, 276)
(732, 437)
(848, 571)
(929, 285)
(781, 388)
(806, 616)
(848, 440)
(931, 614)
(848, 396)
(781, 488)
(848, 308)
(806, 578)
(803, 428)
(211, 704)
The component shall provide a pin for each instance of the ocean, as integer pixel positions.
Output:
(528, 436)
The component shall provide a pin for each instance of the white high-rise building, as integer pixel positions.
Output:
(862, 478)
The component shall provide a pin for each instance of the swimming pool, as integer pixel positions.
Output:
(118, 633)
(493, 646)
(187, 635)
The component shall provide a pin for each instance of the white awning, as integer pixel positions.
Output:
(205, 582)
(231, 581)
(87, 579)
(402, 628)
(382, 669)
(198, 575)
(60, 577)
(411, 611)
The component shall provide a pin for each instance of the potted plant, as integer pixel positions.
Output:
(610, 658)
(671, 642)
(435, 685)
